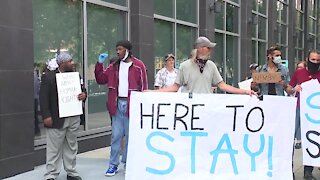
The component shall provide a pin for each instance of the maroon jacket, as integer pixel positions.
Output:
(137, 77)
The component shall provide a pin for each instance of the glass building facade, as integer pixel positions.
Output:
(243, 30)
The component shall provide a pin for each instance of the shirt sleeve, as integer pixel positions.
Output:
(158, 82)
(144, 78)
(180, 77)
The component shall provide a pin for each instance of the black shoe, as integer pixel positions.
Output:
(50, 179)
(74, 178)
(309, 176)
(298, 145)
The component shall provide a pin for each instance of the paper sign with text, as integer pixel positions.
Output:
(310, 122)
(68, 86)
(209, 136)
(265, 77)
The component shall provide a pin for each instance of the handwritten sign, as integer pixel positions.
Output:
(310, 122)
(68, 85)
(265, 77)
(209, 136)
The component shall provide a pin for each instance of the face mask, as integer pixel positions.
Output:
(313, 67)
(126, 55)
(277, 59)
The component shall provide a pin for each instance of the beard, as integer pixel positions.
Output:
(203, 56)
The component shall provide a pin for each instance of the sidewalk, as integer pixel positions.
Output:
(92, 166)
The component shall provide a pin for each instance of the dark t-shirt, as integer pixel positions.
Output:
(300, 76)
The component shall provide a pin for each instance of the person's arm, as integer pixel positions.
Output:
(230, 89)
(144, 78)
(292, 87)
(44, 98)
(100, 74)
(158, 81)
(173, 88)
(83, 95)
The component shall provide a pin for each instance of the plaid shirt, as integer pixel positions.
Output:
(163, 79)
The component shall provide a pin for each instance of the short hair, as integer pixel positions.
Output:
(272, 49)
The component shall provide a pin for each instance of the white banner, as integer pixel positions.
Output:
(310, 122)
(210, 136)
(68, 86)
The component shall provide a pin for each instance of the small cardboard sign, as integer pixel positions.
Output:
(265, 77)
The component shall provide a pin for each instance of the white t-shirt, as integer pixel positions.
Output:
(123, 79)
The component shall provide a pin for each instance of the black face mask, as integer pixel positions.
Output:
(201, 63)
(313, 67)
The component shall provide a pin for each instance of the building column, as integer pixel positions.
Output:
(245, 38)
(291, 35)
(142, 34)
(206, 19)
(16, 92)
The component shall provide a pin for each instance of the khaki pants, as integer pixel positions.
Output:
(62, 146)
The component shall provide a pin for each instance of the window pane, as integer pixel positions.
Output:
(164, 7)
(56, 32)
(254, 28)
(311, 7)
(254, 52)
(262, 24)
(163, 42)
(284, 14)
(299, 39)
(232, 59)
(299, 5)
(299, 20)
(218, 53)
(232, 18)
(311, 27)
(105, 27)
(219, 19)
(185, 39)
(282, 10)
(187, 10)
(262, 54)
(284, 31)
(262, 6)
(119, 2)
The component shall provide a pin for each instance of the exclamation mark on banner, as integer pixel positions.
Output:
(270, 147)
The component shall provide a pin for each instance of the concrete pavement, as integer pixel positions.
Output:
(92, 166)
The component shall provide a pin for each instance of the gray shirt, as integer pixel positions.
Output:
(194, 81)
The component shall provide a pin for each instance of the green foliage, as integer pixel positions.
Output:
(57, 25)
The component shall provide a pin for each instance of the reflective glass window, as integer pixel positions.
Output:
(164, 42)
(164, 7)
(232, 18)
(185, 38)
(106, 26)
(56, 32)
(186, 10)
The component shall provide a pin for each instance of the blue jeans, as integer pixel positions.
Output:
(120, 128)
